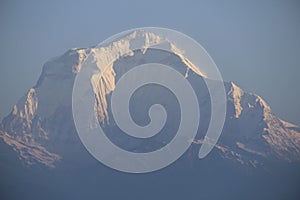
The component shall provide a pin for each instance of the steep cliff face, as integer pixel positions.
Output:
(30, 128)
(41, 130)
(257, 130)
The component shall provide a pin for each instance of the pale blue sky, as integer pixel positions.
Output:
(254, 43)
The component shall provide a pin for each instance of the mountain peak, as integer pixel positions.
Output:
(42, 119)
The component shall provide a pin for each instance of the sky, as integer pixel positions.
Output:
(255, 44)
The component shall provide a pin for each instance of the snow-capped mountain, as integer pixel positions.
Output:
(40, 128)
(40, 132)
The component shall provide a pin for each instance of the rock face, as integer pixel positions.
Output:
(40, 128)
(255, 150)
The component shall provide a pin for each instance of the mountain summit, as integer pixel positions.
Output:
(40, 127)
(43, 157)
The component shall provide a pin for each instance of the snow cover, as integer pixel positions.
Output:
(236, 94)
(30, 128)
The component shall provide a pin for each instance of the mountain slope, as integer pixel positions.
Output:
(41, 130)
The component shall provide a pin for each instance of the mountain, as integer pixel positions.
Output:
(39, 135)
